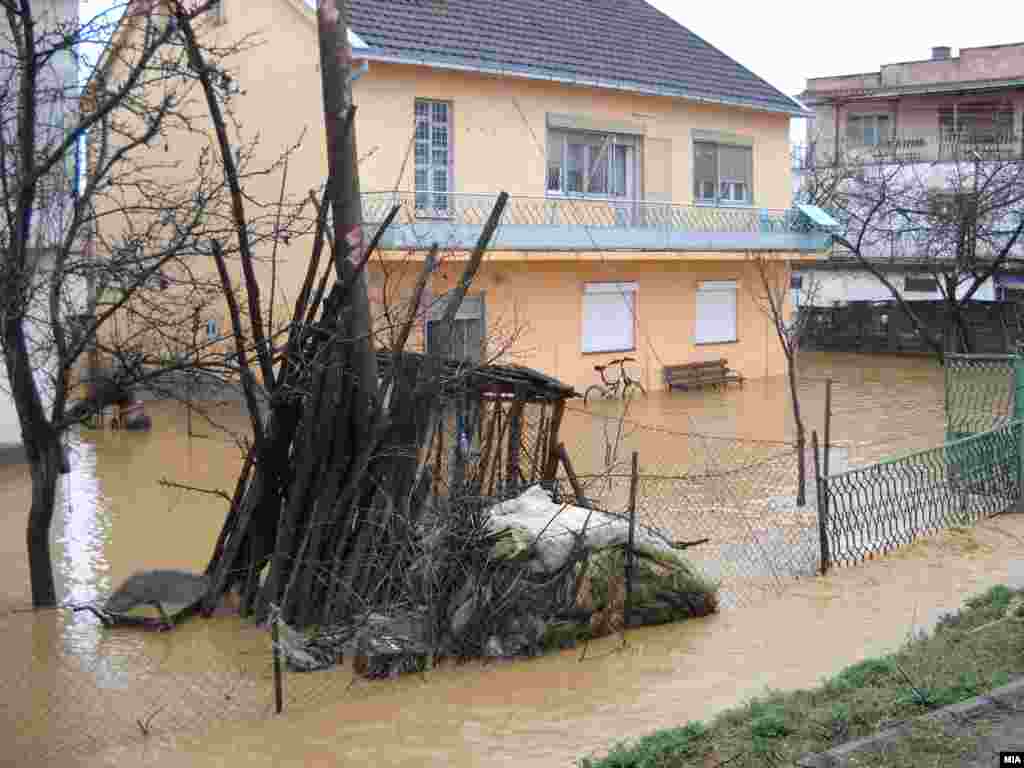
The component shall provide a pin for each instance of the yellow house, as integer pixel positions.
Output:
(646, 171)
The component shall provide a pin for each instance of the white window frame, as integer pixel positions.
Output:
(605, 298)
(438, 202)
(721, 183)
(705, 332)
(604, 156)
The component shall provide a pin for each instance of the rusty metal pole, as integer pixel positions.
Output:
(828, 424)
(275, 636)
(820, 483)
(627, 608)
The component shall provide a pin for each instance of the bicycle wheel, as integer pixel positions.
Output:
(633, 390)
(594, 391)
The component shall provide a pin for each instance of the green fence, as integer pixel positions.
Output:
(872, 510)
(980, 393)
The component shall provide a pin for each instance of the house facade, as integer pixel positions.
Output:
(935, 118)
(647, 171)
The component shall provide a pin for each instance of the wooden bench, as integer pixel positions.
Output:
(708, 372)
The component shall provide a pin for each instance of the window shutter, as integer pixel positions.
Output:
(704, 169)
(716, 312)
(608, 317)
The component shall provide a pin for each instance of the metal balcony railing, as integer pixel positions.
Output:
(931, 148)
(473, 210)
(454, 220)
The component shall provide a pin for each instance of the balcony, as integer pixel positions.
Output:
(934, 148)
(583, 224)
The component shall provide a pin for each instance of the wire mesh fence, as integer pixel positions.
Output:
(980, 392)
(739, 495)
(873, 510)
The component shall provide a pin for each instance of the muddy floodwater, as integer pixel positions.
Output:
(76, 694)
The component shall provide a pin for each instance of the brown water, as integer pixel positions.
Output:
(74, 694)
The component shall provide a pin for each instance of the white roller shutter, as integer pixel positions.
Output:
(608, 312)
(716, 312)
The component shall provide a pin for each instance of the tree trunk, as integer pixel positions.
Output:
(46, 470)
(801, 441)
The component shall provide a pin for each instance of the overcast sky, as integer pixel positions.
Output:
(787, 42)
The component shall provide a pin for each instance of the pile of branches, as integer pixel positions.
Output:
(332, 490)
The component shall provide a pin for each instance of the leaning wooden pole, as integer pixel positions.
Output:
(346, 199)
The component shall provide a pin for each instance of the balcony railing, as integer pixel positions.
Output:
(567, 223)
(946, 147)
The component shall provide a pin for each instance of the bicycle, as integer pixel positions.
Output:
(624, 386)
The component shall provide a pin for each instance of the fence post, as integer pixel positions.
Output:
(828, 425)
(275, 635)
(1018, 414)
(821, 483)
(627, 606)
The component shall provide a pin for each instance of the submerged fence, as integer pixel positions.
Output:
(737, 497)
(872, 510)
(975, 474)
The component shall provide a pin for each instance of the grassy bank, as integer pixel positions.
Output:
(967, 654)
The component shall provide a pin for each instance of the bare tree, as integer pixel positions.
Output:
(772, 296)
(961, 220)
(102, 249)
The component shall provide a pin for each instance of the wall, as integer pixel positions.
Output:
(538, 305)
(985, 63)
(848, 285)
(991, 62)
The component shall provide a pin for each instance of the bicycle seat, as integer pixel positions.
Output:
(600, 368)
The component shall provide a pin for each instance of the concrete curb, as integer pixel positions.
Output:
(996, 700)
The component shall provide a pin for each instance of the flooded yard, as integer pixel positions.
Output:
(80, 695)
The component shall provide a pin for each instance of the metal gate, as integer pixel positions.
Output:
(980, 393)
(981, 396)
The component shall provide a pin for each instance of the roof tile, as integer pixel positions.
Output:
(624, 41)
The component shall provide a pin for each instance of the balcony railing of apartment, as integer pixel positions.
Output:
(946, 147)
(454, 221)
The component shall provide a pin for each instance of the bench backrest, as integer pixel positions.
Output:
(689, 369)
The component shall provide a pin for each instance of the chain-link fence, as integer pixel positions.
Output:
(873, 510)
(741, 496)
(974, 473)
(980, 393)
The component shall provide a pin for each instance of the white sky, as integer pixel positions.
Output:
(787, 42)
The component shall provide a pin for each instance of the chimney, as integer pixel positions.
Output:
(941, 52)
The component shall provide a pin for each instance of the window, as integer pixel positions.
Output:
(468, 329)
(922, 284)
(716, 312)
(867, 130)
(608, 317)
(599, 164)
(433, 158)
(722, 173)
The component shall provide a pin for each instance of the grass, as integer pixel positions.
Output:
(951, 664)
